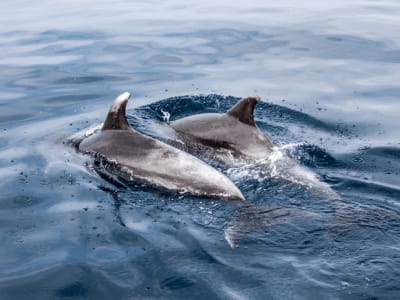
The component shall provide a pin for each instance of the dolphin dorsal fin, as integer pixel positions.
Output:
(243, 110)
(116, 119)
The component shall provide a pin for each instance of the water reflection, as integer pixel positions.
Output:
(328, 73)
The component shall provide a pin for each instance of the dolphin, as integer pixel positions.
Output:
(233, 139)
(140, 157)
(231, 136)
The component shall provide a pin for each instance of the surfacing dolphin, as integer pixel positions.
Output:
(230, 136)
(233, 139)
(143, 158)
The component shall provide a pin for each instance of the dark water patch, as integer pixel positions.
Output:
(299, 49)
(370, 187)
(175, 283)
(62, 282)
(71, 35)
(389, 92)
(73, 290)
(285, 115)
(274, 131)
(20, 201)
(15, 118)
(388, 152)
(313, 156)
(334, 38)
(166, 59)
(184, 106)
(73, 98)
(89, 79)
(123, 48)
(377, 164)
(34, 78)
(59, 35)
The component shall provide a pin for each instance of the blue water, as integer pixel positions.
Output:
(328, 75)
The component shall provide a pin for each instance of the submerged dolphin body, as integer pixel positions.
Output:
(141, 157)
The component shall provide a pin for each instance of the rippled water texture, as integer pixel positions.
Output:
(328, 76)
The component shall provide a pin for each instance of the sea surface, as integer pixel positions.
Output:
(328, 75)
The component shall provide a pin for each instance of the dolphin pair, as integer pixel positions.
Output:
(139, 157)
(229, 138)
(143, 158)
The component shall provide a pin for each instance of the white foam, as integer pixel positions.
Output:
(166, 116)
(85, 132)
(279, 165)
(93, 129)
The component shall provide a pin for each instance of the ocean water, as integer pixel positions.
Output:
(328, 76)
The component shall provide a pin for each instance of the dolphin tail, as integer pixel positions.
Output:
(254, 218)
(116, 119)
(243, 110)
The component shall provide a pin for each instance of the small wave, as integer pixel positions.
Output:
(310, 155)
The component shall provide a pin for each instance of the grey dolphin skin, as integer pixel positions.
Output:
(154, 162)
(234, 133)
